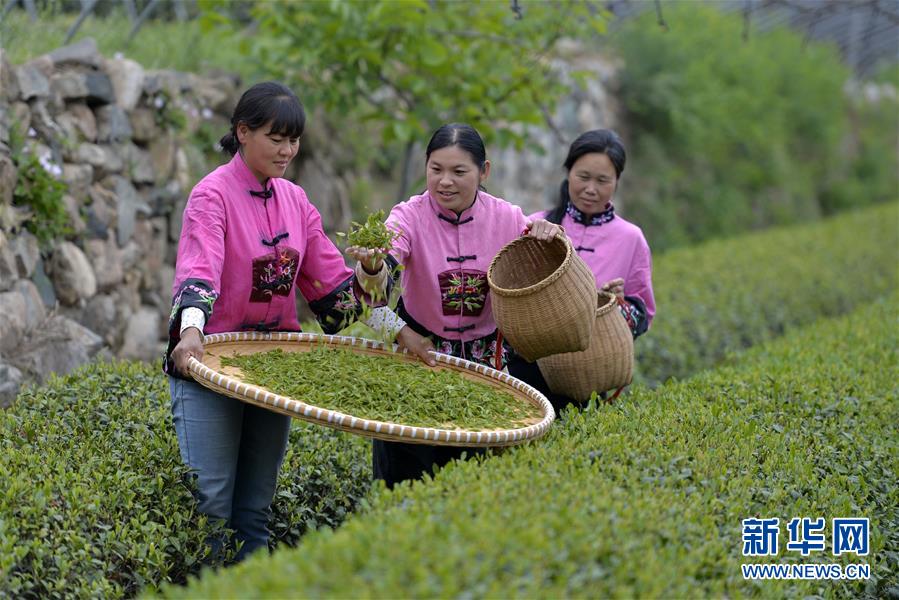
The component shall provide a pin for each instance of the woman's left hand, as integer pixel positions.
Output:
(614, 286)
(543, 229)
(371, 259)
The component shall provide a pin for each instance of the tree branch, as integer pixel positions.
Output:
(662, 22)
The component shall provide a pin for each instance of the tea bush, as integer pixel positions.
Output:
(726, 295)
(94, 502)
(641, 499)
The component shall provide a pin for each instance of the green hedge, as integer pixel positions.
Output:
(92, 496)
(641, 499)
(727, 295)
(93, 501)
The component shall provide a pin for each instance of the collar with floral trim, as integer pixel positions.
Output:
(597, 219)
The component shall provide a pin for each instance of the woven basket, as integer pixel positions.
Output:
(607, 364)
(227, 381)
(543, 297)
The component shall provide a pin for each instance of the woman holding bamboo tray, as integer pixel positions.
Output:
(447, 237)
(249, 239)
(614, 249)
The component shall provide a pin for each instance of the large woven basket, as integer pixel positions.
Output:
(607, 364)
(543, 296)
(227, 381)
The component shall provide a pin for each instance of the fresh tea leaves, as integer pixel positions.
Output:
(383, 388)
(373, 234)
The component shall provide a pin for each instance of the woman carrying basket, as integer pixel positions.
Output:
(614, 249)
(447, 237)
(249, 240)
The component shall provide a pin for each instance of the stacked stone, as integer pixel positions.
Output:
(103, 127)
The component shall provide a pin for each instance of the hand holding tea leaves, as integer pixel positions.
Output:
(370, 242)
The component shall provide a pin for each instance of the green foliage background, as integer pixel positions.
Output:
(729, 134)
(408, 67)
(724, 134)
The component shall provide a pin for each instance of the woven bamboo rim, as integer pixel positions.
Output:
(230, 385)
(525, 291)
(611, 303)
(543, 297)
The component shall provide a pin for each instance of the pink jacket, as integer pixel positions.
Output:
(445, 259)
(611, 250)
(239, 255)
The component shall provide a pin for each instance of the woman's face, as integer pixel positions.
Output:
(266, 154)
(453, 177)
(592, 183)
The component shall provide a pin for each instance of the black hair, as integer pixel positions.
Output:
(462, 135)
(264, 102)
(601, 141)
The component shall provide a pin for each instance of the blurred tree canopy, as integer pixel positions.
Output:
(411, 66)
(729, 134)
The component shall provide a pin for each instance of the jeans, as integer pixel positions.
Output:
(235, 451)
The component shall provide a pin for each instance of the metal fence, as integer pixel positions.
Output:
(866, 31)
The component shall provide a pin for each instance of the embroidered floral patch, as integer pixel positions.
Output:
(463, 291)
(273, 274)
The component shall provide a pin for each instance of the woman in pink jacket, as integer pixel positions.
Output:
(447, 237)
(250, 241)
(613, 248)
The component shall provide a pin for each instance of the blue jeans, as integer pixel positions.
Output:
(235, 451)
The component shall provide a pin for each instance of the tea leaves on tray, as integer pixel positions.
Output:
(383, 388)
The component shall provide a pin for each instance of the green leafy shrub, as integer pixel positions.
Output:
(729, 294)
(480, 63)
(94, 501)
(38, 191)
(640, 499)
(730, 134)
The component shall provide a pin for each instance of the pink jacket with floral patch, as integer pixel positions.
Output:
(614, 249)
(240, 256)
(445, 259)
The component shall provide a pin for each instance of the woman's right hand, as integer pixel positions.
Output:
(191, 345)
(418, 345)
(371, 259)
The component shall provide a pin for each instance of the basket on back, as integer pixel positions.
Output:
(543, 296)
(607, 364)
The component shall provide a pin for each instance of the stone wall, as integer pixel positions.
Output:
(115, 134)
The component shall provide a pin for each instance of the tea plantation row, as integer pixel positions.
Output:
(730, 294)
(93, 500)
(641, 499)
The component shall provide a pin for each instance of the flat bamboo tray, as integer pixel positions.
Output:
(227, 380)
